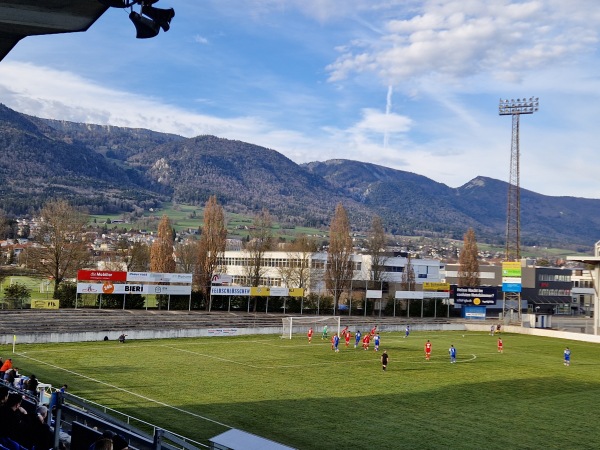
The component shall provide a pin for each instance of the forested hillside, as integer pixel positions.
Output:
(118, 170)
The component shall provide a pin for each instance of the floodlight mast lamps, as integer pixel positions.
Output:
(515, 108)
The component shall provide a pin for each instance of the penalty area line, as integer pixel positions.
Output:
(143, 397)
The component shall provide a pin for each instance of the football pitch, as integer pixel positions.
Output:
(307, 396)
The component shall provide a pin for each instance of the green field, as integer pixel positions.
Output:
(306, 396)
(185, 217)
(40, 288)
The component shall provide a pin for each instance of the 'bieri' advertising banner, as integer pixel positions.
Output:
(142, 289)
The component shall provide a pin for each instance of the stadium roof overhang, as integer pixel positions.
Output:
(548, 300)
(21, 18)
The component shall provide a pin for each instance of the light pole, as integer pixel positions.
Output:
(514, 108)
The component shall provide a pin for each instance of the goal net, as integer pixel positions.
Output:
(300, 325)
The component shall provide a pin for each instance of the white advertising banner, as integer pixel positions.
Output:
(222, 278)
(374, 294)
(411, 295)
(146, 289)
(436, 294)
(156, 277)
(279, 291)
(230, 290)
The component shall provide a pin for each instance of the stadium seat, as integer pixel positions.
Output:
(83, 436)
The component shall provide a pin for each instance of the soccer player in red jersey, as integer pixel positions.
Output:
(374, 330)
(500, 346)
(347, 338)
(427, 350)
(366, 341)
(309, 334)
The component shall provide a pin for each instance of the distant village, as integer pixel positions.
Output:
(104, 240)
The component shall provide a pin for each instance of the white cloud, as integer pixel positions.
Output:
(200, 39)
(448, 62)
(457, 39)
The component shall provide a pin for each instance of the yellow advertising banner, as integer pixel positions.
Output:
(511, 269)
(296, 292)
(261, 291)
(44, 304)
(431, 286)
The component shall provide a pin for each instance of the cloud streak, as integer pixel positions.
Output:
(412, 85)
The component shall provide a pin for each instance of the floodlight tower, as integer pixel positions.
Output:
(513, 205)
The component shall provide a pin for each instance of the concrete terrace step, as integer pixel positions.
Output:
(84, 320)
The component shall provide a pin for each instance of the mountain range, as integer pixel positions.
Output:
(114, 169)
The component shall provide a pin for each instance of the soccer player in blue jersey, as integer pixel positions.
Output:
(357, 339)
(452, 352)
(336, 342)
(407, 331)
(377, 342)
(567, 354)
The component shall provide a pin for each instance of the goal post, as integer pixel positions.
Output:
(300, 325)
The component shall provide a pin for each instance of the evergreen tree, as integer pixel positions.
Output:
(18, 294)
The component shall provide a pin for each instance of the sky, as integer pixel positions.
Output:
(410, 85)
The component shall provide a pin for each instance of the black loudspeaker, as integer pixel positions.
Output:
(145, 27)
(160, 16)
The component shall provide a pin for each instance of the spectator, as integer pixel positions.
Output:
(122, 338)
(105, 442)
(12, 417)
(10, 375)
(120, 443)
(3, 395)
(63, 388)
(5, 366)
(32, 385)
(39, 434)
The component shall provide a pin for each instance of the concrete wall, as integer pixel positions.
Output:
(43, 338)
(537, 332)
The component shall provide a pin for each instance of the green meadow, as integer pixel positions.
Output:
(40, 288)
(185, 217)
(306, 396)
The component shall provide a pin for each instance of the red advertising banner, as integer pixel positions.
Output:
(101, 275)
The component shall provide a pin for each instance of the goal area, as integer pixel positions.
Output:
(301, 324)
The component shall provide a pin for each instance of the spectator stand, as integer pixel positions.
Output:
(86, 420)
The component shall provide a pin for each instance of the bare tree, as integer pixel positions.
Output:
(339, 269)
(62, 248)
(297, 273)
(138, 257)
(161, 252)
(468, 272)
(211, 247)
(376, 243)
(261, 241)
(186, 253)
(408, 275)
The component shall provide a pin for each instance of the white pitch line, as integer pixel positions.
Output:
(151, 400)
(212, 357)
(278, 366)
